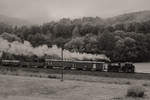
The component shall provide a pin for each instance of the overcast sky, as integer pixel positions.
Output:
(44, 10)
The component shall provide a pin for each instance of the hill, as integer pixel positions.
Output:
(140, 16)
(13, 21)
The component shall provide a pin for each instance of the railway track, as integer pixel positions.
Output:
(142, 76)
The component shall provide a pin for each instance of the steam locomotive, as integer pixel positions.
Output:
(70, 65)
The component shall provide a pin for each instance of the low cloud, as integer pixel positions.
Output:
(46, 10)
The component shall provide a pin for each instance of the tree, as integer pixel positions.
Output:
(60, 42)
(75, 32)
(125, 50)
(62, 30)
(5, 28)
(118, 52)
(75, 45)
(39, 39)
(130, 49)
(10, 37)
(106, 43)
(90, 43)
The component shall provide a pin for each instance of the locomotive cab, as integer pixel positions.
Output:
(114, 67)
(128, 68)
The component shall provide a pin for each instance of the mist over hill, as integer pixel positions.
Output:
(13, 21)
(140, 16)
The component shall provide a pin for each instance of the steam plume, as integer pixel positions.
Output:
(26, 49)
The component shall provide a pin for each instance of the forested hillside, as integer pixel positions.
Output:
(121, 38)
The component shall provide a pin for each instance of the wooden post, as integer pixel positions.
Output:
(62, 69)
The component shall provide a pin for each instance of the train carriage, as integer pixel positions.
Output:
(100, 66)
(11, 63)
(68, 65)
(34, 62)
(83, 65)
(89, 65)
(54, 64)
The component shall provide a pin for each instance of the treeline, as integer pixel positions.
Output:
(120, 42)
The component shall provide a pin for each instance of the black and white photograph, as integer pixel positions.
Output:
(74, 49)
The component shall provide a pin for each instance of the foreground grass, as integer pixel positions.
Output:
(33, 88)
(27, 88)
(25, 84)
(103, 77)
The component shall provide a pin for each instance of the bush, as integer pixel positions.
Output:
(146, 84)
(128, 82)
(135, 91)
(52, 76)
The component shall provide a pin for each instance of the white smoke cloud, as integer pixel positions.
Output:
(26, 49)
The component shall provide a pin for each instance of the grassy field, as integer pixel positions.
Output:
(31, 88)
(41, 85)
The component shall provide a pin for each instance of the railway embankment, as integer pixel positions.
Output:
(56, 73)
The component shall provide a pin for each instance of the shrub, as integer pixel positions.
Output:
(40, 76)
(52, 76)
(146, 84)
(128, 82)
(135, 91)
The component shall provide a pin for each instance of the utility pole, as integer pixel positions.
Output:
(62, 69)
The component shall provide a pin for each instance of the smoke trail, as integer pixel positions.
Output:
(26, 49)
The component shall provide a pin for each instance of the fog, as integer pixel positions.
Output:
(46, 10)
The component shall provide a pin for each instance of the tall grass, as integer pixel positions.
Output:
(135, 91)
